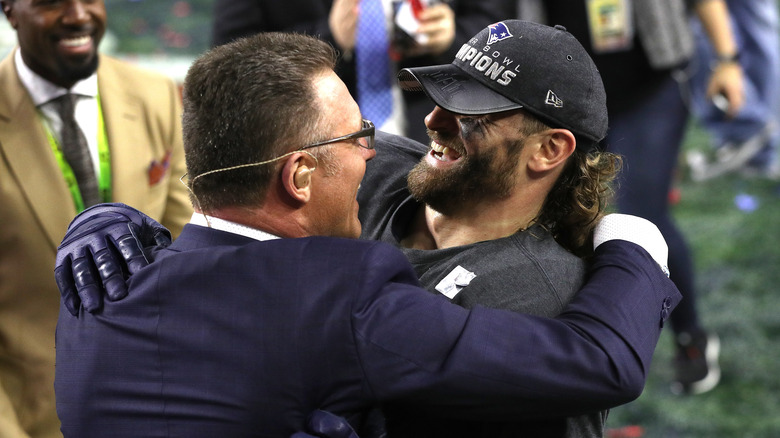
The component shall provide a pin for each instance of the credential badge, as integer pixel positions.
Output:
(455, 281)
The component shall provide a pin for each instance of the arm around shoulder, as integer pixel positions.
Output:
(418, 348)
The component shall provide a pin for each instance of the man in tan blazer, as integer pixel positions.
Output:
(138, 123)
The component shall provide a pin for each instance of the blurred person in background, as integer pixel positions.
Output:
(373, 48)
(130, 144)
(642, 49)
(748, 141)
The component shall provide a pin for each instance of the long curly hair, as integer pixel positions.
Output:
(580, 197)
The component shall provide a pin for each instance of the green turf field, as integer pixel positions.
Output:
(733, 227)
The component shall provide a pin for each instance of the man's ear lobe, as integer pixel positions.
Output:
(6, 6)
(296, 178)
(556, 146)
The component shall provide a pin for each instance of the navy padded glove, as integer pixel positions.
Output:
(105, 244)
(323, 424)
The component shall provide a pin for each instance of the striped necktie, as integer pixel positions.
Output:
(374, 84)
(74, 147)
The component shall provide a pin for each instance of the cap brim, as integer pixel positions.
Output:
(452, 89)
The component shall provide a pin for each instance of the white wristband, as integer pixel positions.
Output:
(636, 230)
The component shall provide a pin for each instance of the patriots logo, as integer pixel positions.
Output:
(498, 32)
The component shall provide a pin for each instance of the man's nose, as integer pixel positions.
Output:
(441, 120)
(368, 153)
(75, 13)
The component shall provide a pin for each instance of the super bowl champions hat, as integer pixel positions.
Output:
(516, 64)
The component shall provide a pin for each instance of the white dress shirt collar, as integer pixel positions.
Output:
(43, 91)
(230, 227)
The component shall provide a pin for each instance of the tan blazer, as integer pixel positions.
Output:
(142, 114)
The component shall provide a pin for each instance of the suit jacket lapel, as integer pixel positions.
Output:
(126, 128)
(29, 155)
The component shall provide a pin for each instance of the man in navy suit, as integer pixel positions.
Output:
(262, 311)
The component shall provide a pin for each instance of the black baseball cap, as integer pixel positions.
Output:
(516, 64)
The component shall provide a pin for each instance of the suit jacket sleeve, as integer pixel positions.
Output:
(240, 18)
(235, 19)
(493, 364)
(178, 209)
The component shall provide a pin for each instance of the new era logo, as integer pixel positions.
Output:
(553, 99)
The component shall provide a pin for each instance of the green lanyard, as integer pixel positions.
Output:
(104, 156)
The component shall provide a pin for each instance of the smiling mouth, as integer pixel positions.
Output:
(77, 41)
(443, 153)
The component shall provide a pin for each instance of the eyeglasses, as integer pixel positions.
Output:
(366, 132)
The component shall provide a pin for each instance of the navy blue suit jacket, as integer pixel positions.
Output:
(228, 336)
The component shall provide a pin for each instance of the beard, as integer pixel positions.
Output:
(74, 72)
(471, 180)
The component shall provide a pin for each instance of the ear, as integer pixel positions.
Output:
(7, 10)
(296, 177)
(554, 148)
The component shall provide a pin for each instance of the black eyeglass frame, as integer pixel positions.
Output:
(368, 131)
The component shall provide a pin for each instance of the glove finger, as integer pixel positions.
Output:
(85, 277)
(147, 235)
(326, 424)
(64, 278)
(111, 274)
(162, 237)
(132, 252)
